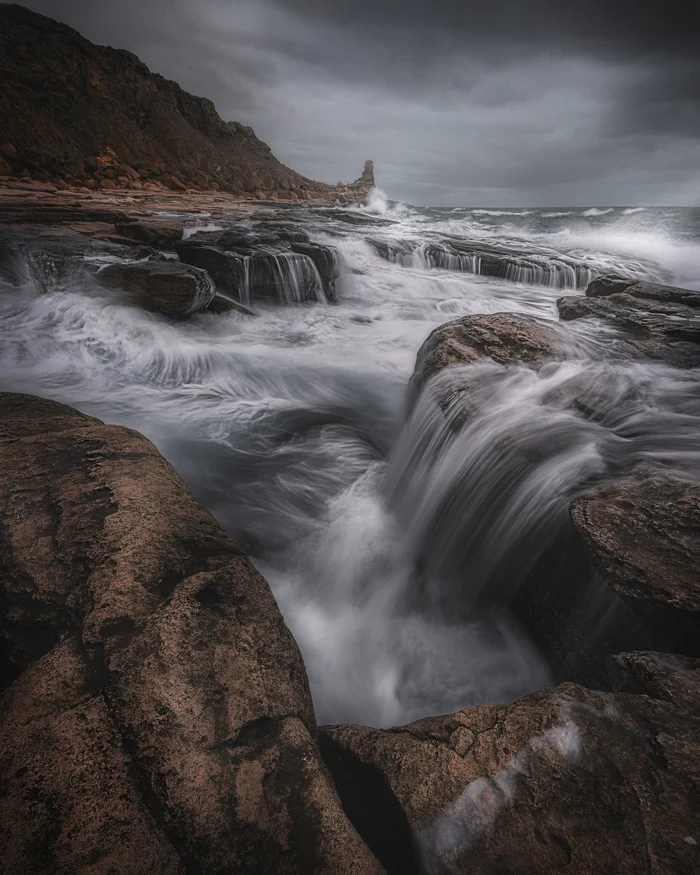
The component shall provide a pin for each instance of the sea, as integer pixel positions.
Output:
(392, 540)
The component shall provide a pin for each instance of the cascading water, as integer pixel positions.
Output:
(541, 270)
(288, 277)
(479, 487)
(391, 545)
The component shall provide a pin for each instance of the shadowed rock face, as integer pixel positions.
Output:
(170, 288)
(111, 123)
(564, 780)
(620, 575)
(643, 532)
(158, 716)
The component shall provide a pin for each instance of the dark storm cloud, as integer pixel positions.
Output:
(503, 102)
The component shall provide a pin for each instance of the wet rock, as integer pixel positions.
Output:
(660, 322)
(564, 780)
(621, 575)
(507, 338)
(560, 271)
(659, 675)
(643, 532)
(158, 716)
(610, 284)
(55, 262)
(275, 263)
(166, 287)
(27, 213)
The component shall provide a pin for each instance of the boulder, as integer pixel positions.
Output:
(166, 287)
(620, 575)
(610, 284)
(564, 780)
(156, 715)
(604, 286)
(507, 338)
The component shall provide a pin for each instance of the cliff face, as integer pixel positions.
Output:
(97, 116)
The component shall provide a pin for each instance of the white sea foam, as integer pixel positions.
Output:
(290, 427)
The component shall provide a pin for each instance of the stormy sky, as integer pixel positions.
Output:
(496, 103)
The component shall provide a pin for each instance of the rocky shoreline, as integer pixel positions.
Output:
(111, 125)
(156, 713)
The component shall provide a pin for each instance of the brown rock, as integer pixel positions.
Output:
(644, 533)
(160, 718)
(659, 675)
(507, 338)
(564, 780)
(620, 576)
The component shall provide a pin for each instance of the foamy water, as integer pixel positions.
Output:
(391, 545)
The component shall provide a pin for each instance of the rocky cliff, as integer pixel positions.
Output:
(96, 116)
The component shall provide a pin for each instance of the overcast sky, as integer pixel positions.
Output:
(501, 102)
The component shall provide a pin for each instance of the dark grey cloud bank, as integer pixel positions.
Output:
(536, 102)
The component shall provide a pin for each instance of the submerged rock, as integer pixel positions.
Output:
(564, 780)
(275, 263)
(166, 287)
(156, 715)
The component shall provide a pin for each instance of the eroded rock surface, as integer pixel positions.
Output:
(564, 780)
(643, 531)
(507, 338)
(158, 716)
